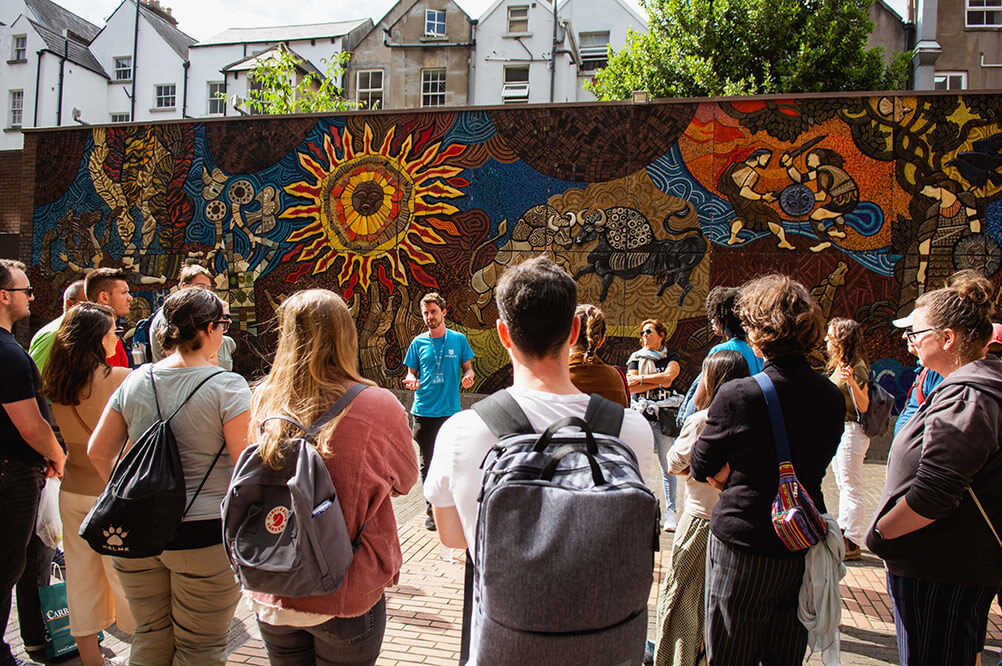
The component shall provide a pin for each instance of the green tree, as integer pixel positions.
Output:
(698, 48)
(285, 83)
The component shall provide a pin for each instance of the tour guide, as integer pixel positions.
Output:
(433, 361)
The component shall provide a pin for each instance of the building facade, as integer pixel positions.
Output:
(221, 66)
(420, 54)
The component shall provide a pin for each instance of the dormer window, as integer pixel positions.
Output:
(19, 52)
(123, 68)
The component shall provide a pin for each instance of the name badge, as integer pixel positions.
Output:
(437, 379)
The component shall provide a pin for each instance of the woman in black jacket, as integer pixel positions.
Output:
(944, 565)
(753, 580)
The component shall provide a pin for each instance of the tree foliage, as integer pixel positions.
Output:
(698, 48)
(284, 85)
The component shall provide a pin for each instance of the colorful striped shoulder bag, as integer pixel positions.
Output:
(794, 516)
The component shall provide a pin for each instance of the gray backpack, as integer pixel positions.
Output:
(283, 529)
(565, 541)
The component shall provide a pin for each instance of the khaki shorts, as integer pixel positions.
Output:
(93, 592)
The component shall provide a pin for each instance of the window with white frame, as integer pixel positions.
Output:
(217, 97)
(369, 88)
(16, 107)
(123, 68)
(120, 117)
(516, 85)
(166, 96)
(19, 52)
(434, 23)
(950, 81)
(518, 19)
(594, 49)
(984, 13)
(433, 87)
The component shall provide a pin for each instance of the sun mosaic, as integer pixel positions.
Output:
(374, 210)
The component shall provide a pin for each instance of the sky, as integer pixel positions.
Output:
(205, 18)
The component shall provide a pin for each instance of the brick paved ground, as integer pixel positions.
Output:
(424, 610)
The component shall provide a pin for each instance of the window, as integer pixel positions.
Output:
(516, 85)
(984, 13)
(434, 23)
(16, 108)
(433, 87)
(369, 88)
(518, 19)
(594, 50)
(950, 81)
(123, 68)
(217, 98)
(165, 96)
(120, 117)
(20, 51)
(255, 95)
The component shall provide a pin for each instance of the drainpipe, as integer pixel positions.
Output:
(470, 87)
(184, 97)
(62, 67)
(38, 78)
(135, 72)
(553, 54)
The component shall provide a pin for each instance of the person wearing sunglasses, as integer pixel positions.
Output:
(650, 372)
(183, 599)
(937, 528)
(28, 447)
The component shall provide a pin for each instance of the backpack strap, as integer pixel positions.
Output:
(503, 416)
(334, 409)
(775, 416)
(919, 386)
(204, 479)
(604, 416)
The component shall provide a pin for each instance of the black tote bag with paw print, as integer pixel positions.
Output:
(142, 505)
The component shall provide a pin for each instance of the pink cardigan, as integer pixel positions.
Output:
(373, 459)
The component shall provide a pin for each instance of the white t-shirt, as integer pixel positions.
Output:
(454, 476)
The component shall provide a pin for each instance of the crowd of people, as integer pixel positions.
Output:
(733, 592)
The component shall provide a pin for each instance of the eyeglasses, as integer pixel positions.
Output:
(647, 331)
(913, 335)
(28, 291)
(225, 322)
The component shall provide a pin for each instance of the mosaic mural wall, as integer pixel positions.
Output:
(868, 200)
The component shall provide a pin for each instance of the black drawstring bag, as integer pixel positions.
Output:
(142, 506)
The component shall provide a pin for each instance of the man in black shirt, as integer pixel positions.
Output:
(28, 448)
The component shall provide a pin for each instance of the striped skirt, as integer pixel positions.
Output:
(680, 610)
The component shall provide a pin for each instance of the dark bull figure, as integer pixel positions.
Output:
(627, 249)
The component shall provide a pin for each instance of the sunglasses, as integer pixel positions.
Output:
(224, 322)
(28, 291)
(913, 335)
(647, 331)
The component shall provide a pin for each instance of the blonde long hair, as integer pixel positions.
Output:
(316, 360)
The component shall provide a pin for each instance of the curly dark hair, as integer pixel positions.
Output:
(780, 316)
(720, 311)
(77, 353)
(536, 301)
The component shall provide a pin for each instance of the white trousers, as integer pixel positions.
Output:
(848, 468)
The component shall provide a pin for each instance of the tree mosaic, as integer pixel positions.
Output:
(869, 200)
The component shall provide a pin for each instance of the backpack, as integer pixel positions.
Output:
(142, 506)
(283, 529)
(877, 417)
(141, 336)
(565, 540)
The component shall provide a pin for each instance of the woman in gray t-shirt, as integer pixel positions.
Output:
(183, 599)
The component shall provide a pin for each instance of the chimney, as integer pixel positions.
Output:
(161, 11)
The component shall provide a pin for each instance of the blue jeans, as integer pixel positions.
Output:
(938, 623)
(343, 640)
(661, 444)
(20, 487)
